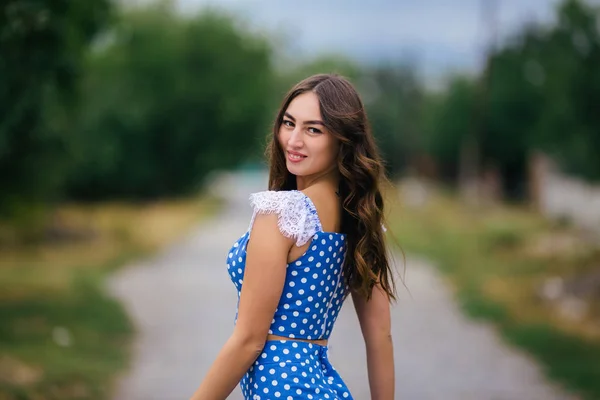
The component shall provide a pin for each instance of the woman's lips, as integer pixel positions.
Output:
(295, 157)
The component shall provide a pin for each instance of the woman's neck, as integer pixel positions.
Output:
(329, 178)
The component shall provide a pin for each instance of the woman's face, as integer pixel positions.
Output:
(309, 148)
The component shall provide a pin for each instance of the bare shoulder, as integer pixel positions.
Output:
(321, 196)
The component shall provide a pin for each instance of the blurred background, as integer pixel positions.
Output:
(116, 116)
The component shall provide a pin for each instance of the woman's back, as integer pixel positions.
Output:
(315, 287)
(313, 293)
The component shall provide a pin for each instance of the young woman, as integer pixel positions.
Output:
(315, 237)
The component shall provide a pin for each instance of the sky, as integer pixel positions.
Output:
(440, 36)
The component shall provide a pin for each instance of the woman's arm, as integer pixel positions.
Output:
(375, 324)
(262, 286)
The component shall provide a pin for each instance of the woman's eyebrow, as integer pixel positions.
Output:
(316, 122)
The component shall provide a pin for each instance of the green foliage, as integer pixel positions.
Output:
(539, 91)
(167, 99)
(569, 123)
(502, 236)
(566, 358)
(324, 64)
(394, 100)
(513, 106)
(75, 340)
(162, 99)
(479, 307)
(41, 48)
(544, 87)
(448, 122)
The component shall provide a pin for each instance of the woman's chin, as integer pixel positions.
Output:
(294, 170)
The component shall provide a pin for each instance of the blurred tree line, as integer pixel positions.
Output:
(154, 102)
(99, 102)
(42, 45)
(165, 100)
(539, 91)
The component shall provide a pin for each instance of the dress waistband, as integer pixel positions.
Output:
(286, 351)
(318, 342)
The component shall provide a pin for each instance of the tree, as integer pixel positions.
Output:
(514, 108)
(543, 92)
(168, 99)
(394, 101)
(42, 44)
(569, 125)
(447, 122)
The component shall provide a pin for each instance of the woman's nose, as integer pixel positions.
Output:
(296, 138)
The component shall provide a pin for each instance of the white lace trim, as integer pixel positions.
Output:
(297, 216)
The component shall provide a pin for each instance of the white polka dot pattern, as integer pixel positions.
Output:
(315, 288)
(293, 370)
(314, 292)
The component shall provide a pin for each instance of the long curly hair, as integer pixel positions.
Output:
(361, 176)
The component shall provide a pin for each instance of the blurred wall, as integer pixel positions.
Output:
(560, 196)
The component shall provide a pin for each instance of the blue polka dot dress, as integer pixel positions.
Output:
(314, 292)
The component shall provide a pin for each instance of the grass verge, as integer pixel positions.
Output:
(61, 336)
(498, 259)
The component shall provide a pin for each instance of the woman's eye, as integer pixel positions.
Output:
(314, 130)
(287, 123)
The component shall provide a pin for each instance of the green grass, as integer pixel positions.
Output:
(61, 336)
(98, 335)
(490, 257)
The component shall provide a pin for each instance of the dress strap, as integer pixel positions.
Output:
(314, 216)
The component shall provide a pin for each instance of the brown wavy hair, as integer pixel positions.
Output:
(361, 176)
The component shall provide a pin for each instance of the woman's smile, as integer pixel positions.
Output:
(295, 156)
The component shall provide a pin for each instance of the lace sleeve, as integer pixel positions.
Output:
(297, 216)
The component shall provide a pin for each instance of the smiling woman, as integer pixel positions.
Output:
(315, 237)
(309, 147)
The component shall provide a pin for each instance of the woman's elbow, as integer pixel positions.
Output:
(250, 341)
(378, 337)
